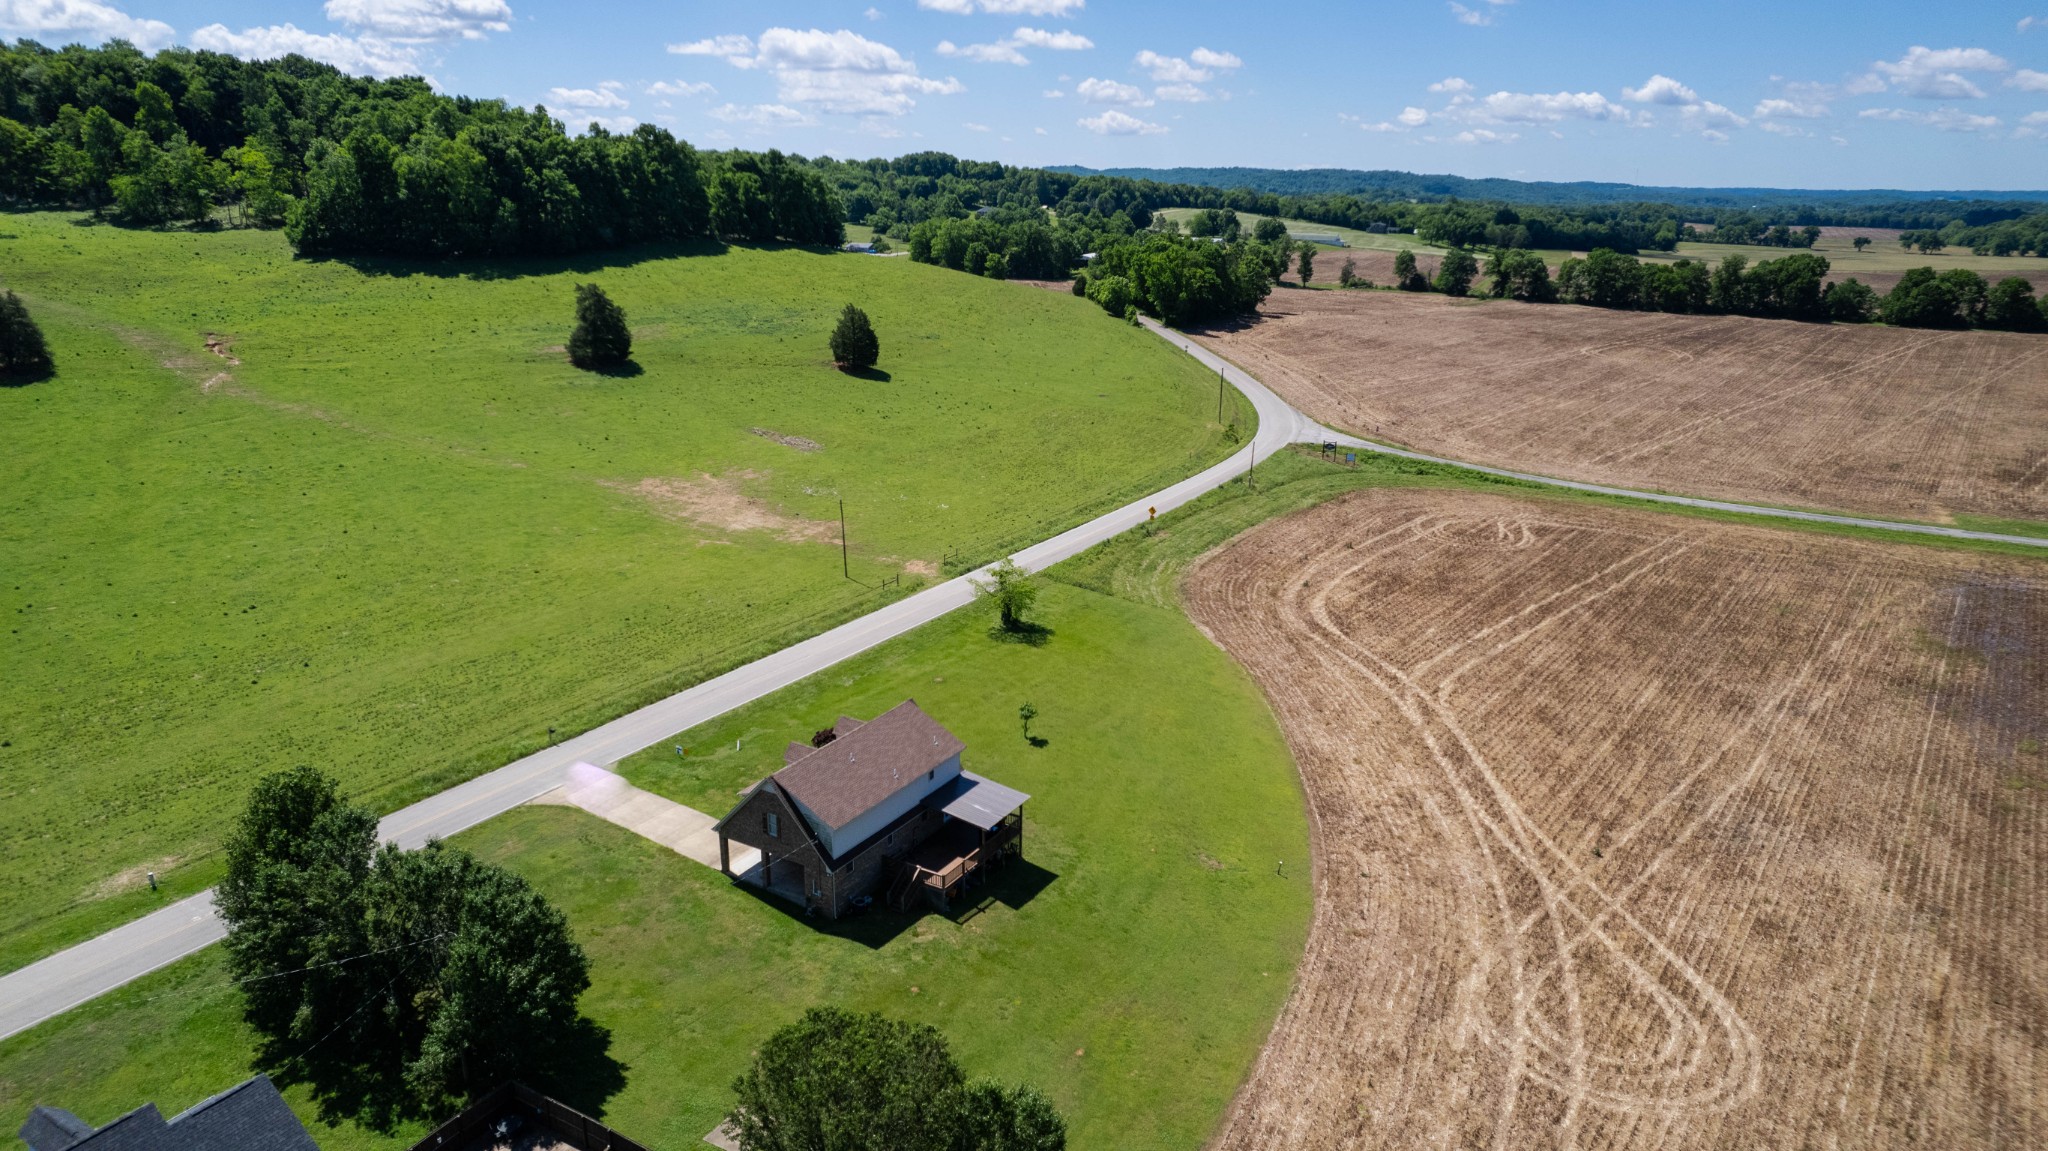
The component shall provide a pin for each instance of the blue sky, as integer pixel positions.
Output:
(1884, 93)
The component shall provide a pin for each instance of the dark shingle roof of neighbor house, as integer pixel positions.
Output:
(250, 1116)
(868, 763)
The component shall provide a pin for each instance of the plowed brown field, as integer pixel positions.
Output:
(1861, 418)
(1643, 832)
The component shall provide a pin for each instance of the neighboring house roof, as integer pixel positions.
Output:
(868, 763)
(977, 799)
(250, 1116)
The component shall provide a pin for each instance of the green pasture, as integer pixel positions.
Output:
(405, 541)
(1131, 966)
(1386, 242)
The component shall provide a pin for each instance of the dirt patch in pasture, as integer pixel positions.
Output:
(798, 442)
(723, 502)
(1861, 418)
(1638, 831)
(920, 568)
(134, 878)
(218, 345)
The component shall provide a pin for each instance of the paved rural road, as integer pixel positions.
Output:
(93, 968)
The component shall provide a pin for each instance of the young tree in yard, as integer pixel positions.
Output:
(1305, 263)
(1025, 715)
(1012, 591)
(601, 338)
(1861, 242)
(854, 343)
(1347, 274)
(839, 1081)
(1454, 275)
(23, 354)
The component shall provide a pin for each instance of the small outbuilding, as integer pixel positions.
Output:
(880, 809)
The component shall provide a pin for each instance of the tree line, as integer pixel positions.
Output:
(1792, 287)
(353, 166)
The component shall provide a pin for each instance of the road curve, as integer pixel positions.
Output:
(56, 984)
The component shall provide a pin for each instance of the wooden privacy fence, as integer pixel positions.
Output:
(566, 1123)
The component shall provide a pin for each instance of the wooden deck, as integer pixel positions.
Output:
(946, 863)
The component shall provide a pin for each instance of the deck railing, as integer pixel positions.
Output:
(946, 879)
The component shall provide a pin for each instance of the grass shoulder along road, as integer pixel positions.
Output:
(387, 529)
(1131, 966)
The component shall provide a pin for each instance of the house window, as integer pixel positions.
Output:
(774, 826)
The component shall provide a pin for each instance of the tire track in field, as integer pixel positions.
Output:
(1480, 691)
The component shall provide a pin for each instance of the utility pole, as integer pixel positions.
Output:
(843, 568)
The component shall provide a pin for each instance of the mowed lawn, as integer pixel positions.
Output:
(403, 540)
(1130, 966)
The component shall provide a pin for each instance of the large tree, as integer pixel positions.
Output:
(2010, 305)
(600, 338)
(1012, 590)
(393, 982)
(1305, 263)
(23, 354)
(1455, 274)
(854, 343)
(835, 1080)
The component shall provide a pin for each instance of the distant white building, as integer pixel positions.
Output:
(1330, 238)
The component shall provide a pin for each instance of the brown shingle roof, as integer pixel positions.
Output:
(843, 779)
(795, 751)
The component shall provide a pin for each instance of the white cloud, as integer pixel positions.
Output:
(82, 20)
(1410, 117)
(1000, 52)
(761, 115)
(619, 125)
(841, 72)
(1180, 93)
(2032, 125)
(419, 20)
(1006, 7)
(974, 127)
(1116, 123)
(1717, 137)
(2028, 80)
(1005, 51)
(1040, 132)
(680, 88)
(1661, 89)
(1053, 94)
(1111, 92)
(873, 13)
(1452, 85)
(733, 48)
(1203, 66)
(1542, 107)
(2027, 22)
(599, 97)
(1056, 41)
(1485, 136)
(1775, 109)
(363, 55)
(1469, 15)
(1937, 74)
(1783, 129)
(1944, 119)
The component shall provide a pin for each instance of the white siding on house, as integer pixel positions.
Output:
(884, 813)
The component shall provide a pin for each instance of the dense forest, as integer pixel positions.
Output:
(349, 165)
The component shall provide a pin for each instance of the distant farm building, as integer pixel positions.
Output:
(1332, 239)
(880, 809)
(1377, 228)
(857, 246)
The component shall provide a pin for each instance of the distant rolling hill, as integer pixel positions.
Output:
(1385, 184)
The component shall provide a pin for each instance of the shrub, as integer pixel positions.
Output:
(1850, 302)
(23, 354)
(1113, 293)
(601, 338)
(854, 343)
